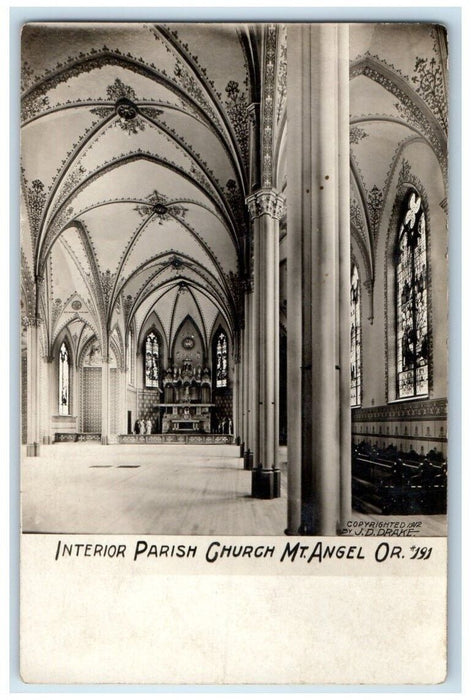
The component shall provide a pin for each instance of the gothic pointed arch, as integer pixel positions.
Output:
(63, 359)
(409, 347)
(152, 354)
(220, 352)
(152, 322)
(190, 322)
(411, 303)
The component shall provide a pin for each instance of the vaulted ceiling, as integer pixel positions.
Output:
(134, 170)
(134, 160)
(398, 97)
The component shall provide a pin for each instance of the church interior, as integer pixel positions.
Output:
(233, 277)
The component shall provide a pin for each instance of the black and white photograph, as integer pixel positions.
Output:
(234, 278)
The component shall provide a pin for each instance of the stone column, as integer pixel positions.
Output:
(77, 396)
(33, 377)
(242, 394)
(253, 435)
(248, 387)
(105, 400)
(52, 398)
(345, 420)
(123, 393)
(266, 207)
(235, 393)
(318, 278)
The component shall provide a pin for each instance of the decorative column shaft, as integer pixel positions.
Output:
(249, 378)
(51, 399)
(345, 414)
(122, 392)
(105, 400)
(235, 395)
(33, 375)
(266, 208)
(318, 277)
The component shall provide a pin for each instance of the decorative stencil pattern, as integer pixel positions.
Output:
(91, 399)
(114, 400)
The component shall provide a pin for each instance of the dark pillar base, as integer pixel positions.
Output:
(295, 533)
(266, 483)
(248, 460)
(32, 450)
(242, 447)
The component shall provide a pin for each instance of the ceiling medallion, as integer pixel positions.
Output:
(159, 209)
(176, 262)
(158, 205)
(188, 342)
(76, 305)
(125, 109)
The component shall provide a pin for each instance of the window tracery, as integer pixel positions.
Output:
(355, 339)
(412, 340)
(152, 354)
(64, 407)
(221, 360)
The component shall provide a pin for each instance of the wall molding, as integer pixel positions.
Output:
(422, 409)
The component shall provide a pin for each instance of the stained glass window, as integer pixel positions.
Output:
(152, 360)
(412, 347)
(221, 360)
(64, 408)
(355, 339)
(132, 359)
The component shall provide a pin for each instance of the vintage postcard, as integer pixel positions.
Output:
(234, 319)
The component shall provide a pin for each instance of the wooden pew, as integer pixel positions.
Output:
(392, 483)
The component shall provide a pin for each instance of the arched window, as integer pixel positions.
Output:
(132, 358)
(412, 348)
(355, 339)
(64, 406)
(152, 353)
(221, 359)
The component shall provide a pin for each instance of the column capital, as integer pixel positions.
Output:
(31, 320)
(266, 201)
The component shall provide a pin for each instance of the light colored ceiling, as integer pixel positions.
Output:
(132, 159)
(397, 98)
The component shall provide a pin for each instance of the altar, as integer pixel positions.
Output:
(185, 418)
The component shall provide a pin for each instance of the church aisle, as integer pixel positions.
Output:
(181, 491)
(162, 490)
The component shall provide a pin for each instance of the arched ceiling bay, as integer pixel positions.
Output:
(134, 154)
(398, 96)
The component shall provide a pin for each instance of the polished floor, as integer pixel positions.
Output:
(164, 489)
(85, 488)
